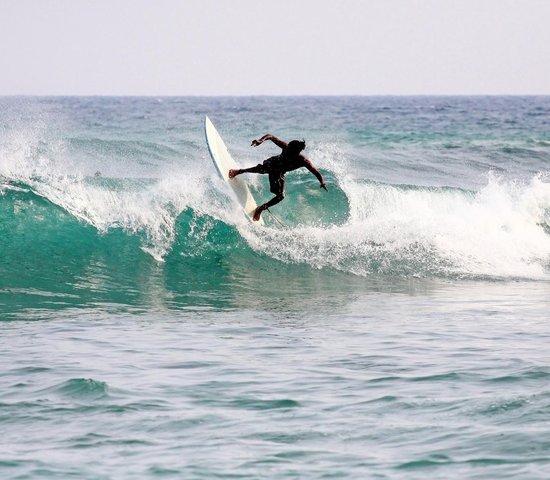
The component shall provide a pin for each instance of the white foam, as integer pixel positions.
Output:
(496, 232)
(149, 208)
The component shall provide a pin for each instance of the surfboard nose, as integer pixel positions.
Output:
(223, 161)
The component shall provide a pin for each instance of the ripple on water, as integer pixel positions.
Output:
(82, 388)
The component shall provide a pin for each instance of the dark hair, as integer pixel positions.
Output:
(296, 146)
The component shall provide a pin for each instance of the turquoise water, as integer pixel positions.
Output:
(396, 328)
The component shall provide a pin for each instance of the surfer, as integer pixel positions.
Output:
(276, 167)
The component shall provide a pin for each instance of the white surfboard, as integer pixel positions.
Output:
(224, 162)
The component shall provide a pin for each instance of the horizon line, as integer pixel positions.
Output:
(114, 95)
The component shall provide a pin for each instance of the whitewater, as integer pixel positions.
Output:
(409, 303)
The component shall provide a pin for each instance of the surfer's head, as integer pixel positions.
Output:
(295, 147)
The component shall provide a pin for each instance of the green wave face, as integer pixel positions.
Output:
(61, 256)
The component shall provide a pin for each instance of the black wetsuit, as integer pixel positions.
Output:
(276, 167)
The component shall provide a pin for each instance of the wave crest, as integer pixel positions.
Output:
(363, 228)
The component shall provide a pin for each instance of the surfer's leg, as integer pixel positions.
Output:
(274, 201)
(257, 169)
(277, 184)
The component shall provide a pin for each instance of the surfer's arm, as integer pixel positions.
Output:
(273, 138)
(315, 172)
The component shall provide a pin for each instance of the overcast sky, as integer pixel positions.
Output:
(278, 47)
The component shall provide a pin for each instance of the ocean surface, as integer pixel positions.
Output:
(397, 327)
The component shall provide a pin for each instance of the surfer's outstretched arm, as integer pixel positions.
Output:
(273, 138)
(315, 172)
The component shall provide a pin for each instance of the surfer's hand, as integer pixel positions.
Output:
(324, 185)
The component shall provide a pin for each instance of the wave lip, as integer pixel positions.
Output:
(82, 389)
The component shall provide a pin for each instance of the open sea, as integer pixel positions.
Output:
(398, 326)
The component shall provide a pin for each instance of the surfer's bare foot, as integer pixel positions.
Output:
(258, 213)
(232, 173)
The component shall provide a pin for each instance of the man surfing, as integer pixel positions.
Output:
(276, 167)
